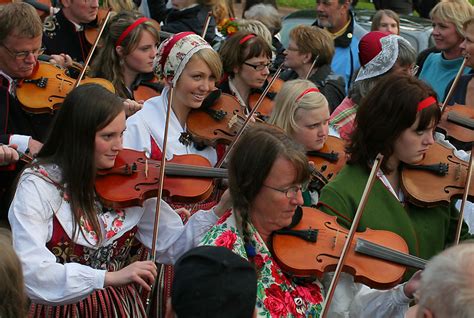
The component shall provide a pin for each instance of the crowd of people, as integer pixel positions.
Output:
(71, 248)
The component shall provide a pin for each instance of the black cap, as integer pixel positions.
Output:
(212, 281)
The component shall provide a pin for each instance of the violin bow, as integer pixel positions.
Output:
(206, 25)
(454, 85)
(312, 66)
(250, 115)
(464, 199)
(91, 52)
(156, 222)
(351, 233)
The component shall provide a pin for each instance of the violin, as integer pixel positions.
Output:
(218, 120)
(457, 122)
(312, 244)
(436, 179)
(134, 178)
(92, 31)
(48, 85)
(147, 88)
(266, 107)
(328, 161)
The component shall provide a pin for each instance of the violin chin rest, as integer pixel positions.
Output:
(211, 99)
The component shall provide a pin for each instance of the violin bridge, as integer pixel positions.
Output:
(232, 121)
(457, 173)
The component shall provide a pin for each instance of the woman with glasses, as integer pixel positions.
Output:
(127, 54)
(380, 54)
(308, 45)
(246, 58)
(267, 173)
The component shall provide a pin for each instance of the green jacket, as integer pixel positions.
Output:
(427, 231)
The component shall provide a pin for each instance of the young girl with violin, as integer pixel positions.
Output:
(74, 250)
(401, 129)
(302, 111)
(246, 58)
(126, 56)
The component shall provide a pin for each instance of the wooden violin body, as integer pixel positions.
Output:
(313, 257)
(218, 123)
(147, 89)
(457, 122)
(267, 104)
(134, 178)
(47, 87)
(436, 179)
(329, 160)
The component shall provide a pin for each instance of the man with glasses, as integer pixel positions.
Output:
(336, 17)
(20, 45)
(64, 32)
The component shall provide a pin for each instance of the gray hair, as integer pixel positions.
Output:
(267, 14)
(446, 287)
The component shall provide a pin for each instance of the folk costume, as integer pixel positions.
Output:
(145, 129)
(63, 36)
(17, 126)
(279, 295)
(65, 269)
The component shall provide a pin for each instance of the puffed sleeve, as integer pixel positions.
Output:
(46, 281)
(174, 237)
(136, 136)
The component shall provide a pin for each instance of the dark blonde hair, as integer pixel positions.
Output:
(454, 11)
(13, 301)
(379, 15)
(19, 19)
(234, 54)
(107, 63)
(314, 40)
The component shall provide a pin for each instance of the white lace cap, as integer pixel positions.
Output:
(383, 61)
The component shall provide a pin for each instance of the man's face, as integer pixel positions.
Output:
(331, 14)
(18, 55)
(81, 11)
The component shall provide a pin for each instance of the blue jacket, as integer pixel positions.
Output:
(346, 58)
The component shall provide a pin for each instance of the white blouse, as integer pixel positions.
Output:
(31, 218)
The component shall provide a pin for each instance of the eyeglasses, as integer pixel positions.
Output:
(291, 192)
(258, 67)
(23, 54)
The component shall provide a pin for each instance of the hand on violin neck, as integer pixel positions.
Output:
(131, 107)
(62, 60)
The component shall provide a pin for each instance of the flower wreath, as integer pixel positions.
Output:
(228, 27)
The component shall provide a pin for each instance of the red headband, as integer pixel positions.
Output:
(309, 90)
(246, 38)
(430, 100)
(129, 29)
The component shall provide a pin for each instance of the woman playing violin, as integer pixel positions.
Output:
(75, 251)
(401, 129)
(191, 67)
(128, 49)
(303, 113)
(267, 172)
(246, 58)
